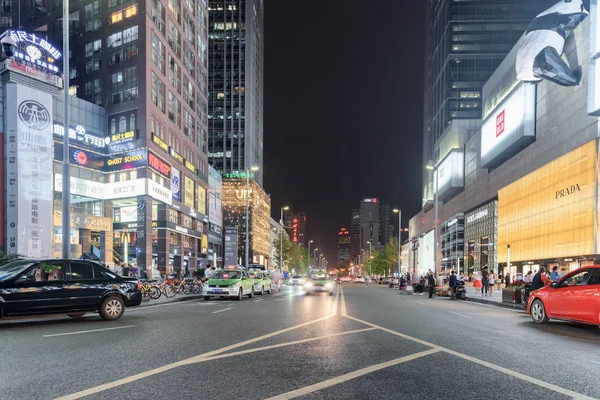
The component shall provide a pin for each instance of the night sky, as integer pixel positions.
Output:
(344, 83)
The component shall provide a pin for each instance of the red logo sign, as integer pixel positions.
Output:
(500, 123)
(159, 165)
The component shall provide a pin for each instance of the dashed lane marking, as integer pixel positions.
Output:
(192, 360)
(224, 309)
(344, 313)
(259, 300)
(89, 331)
(489, 365)
(461, 314)
(349, 376)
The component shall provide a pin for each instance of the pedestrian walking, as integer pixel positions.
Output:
(491, 280)
(528, 278)
(507, 280)
(431, 283)
(554, 275)
(453, 283)
(477, 283)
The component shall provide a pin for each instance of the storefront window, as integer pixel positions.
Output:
(186, 221)
(484, 252)
(173, 216)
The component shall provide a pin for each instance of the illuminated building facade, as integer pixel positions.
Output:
(259, 212)
(344, 246)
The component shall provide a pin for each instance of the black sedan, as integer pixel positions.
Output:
(72, 287)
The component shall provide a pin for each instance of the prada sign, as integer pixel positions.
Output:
(569, 190)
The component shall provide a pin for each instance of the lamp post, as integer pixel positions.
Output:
(247, 219)
(396, 210)
(370, 262)
(281, 239)
(315, 256)
(430, 167)
(308, 255)
(66, 167)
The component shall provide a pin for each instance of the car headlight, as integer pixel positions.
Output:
(234, 286)
(308, 285)
(328, 285)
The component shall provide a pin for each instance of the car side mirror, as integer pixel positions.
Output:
(554, 285)
(27, 278)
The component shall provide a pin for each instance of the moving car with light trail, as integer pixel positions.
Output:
(229, 282)
(319, 281)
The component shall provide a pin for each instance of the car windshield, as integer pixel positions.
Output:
(255, 275)
(13, 268)
(319, 276)
(297, 277)
(226, 275)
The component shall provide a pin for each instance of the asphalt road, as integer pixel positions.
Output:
(367, 342)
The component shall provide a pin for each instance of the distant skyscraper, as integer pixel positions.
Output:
(467, 42)
(369, 223)
(344, 245)
(355, 233)
(387, 227)
(296, 226)
(235, 109)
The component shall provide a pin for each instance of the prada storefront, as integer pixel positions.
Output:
(481, 231)
(549, 217)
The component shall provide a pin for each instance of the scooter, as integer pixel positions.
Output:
(461, 291)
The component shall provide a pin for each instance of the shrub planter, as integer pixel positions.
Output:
(511, 295)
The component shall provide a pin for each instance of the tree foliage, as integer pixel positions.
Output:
(287, 248)
(386, 259)
(298, 259)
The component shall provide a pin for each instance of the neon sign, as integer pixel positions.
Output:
(159, 165)
(35, 50)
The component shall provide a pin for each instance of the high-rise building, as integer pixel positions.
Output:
(236, 86)
(146, 63)
(387, 227)
(355, 233)
(259, 216)
(295, 223)
(467, 42)
(344, 245)
(370, 224)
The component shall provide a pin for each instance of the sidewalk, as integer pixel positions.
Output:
(495, 299)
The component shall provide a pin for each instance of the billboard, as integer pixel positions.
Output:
(450, 174)
(230, 249)
(159, 166)
(29, 166)
(215, 213)
(201, 200)
(510, 127)
(188, 194)
(125, 214)
(176, 184)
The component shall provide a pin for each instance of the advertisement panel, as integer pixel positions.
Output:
(125, 214)
(159, 192)
(102, 162)
(230, 249)
(201, 200)
(176, 184)
(81, 187)
(80, 134)
(29, 166)
(450, 174)
(426, 256)
(549, 213)
(188, 194)
(159, 166)
(215, 213)
(204, 244)
(510, 127)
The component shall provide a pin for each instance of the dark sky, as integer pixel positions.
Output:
(343, 108)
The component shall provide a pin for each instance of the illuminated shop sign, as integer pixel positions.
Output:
(102, 162)
(160, 143)
(295, 230)
(450, 174)
(79, 134)
(35, 50)
(373, 200)
(158, 165)
(122, 162)
(509, 128)
(238, 175)
(177, 156)
(123, 137)
(189, 166)
(477, 216)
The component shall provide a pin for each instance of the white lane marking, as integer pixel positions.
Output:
(344, 313)
(188, 361)
(461, 315)
(352, 375)
(89, 331)
(420, 302)
(224, 309)
(259, 300)
(334, 306)
(495, 367)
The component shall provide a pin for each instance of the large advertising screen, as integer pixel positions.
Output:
(451, 174)
(215, 213)
(29, 166)
(550, 212)
(510, 127)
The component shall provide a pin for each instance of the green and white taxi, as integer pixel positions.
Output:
(230, 282)
(262, 281)
(319, 281)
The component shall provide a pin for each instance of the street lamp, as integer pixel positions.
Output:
(255, 168)
(320, 260)
(430, 167)
(308, 255)
(281, 239)
(396, 210)
(315, 256)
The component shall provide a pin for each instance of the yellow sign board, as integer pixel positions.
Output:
(188, 195)
(201, 200)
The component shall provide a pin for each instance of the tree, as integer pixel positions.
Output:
(287, 247)
(298, 259)
(391, 254)
(5, 258)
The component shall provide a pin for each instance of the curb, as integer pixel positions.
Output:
(497, 304)
(185, 297)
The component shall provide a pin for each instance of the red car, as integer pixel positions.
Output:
(573, 297)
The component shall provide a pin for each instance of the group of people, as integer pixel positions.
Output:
(483, 282)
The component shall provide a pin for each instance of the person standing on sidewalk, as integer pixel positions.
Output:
(491, 280)
(477, 283)
(484, 281)
(431, 283)
(453, 283)
(554, 275)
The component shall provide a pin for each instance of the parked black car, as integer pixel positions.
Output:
(72, 287)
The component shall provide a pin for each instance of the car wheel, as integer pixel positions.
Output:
(76, 315)
(270, 289)
(251, 294)
(112, 308)
(240, 294)
(207, 298)
(538, 312)
(262, 290)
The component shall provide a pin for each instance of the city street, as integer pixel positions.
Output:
(366, 342)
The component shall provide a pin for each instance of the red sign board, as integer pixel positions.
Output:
(295, 230)
(159, 165)
(500, 123)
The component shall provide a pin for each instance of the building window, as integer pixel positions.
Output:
(114, 40)
(122, 124)
(130, 34)
(174, 38)
(158, 92)
(174, 74)
(157, 13)
(188, 27)
(188, 125)
(158, 53)
(189, 59)
(132, 122)
(152, 124)
(93, 47)
(188, 93)
(175, 8)
(113, 126)
(92, 16)
(174, 110)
